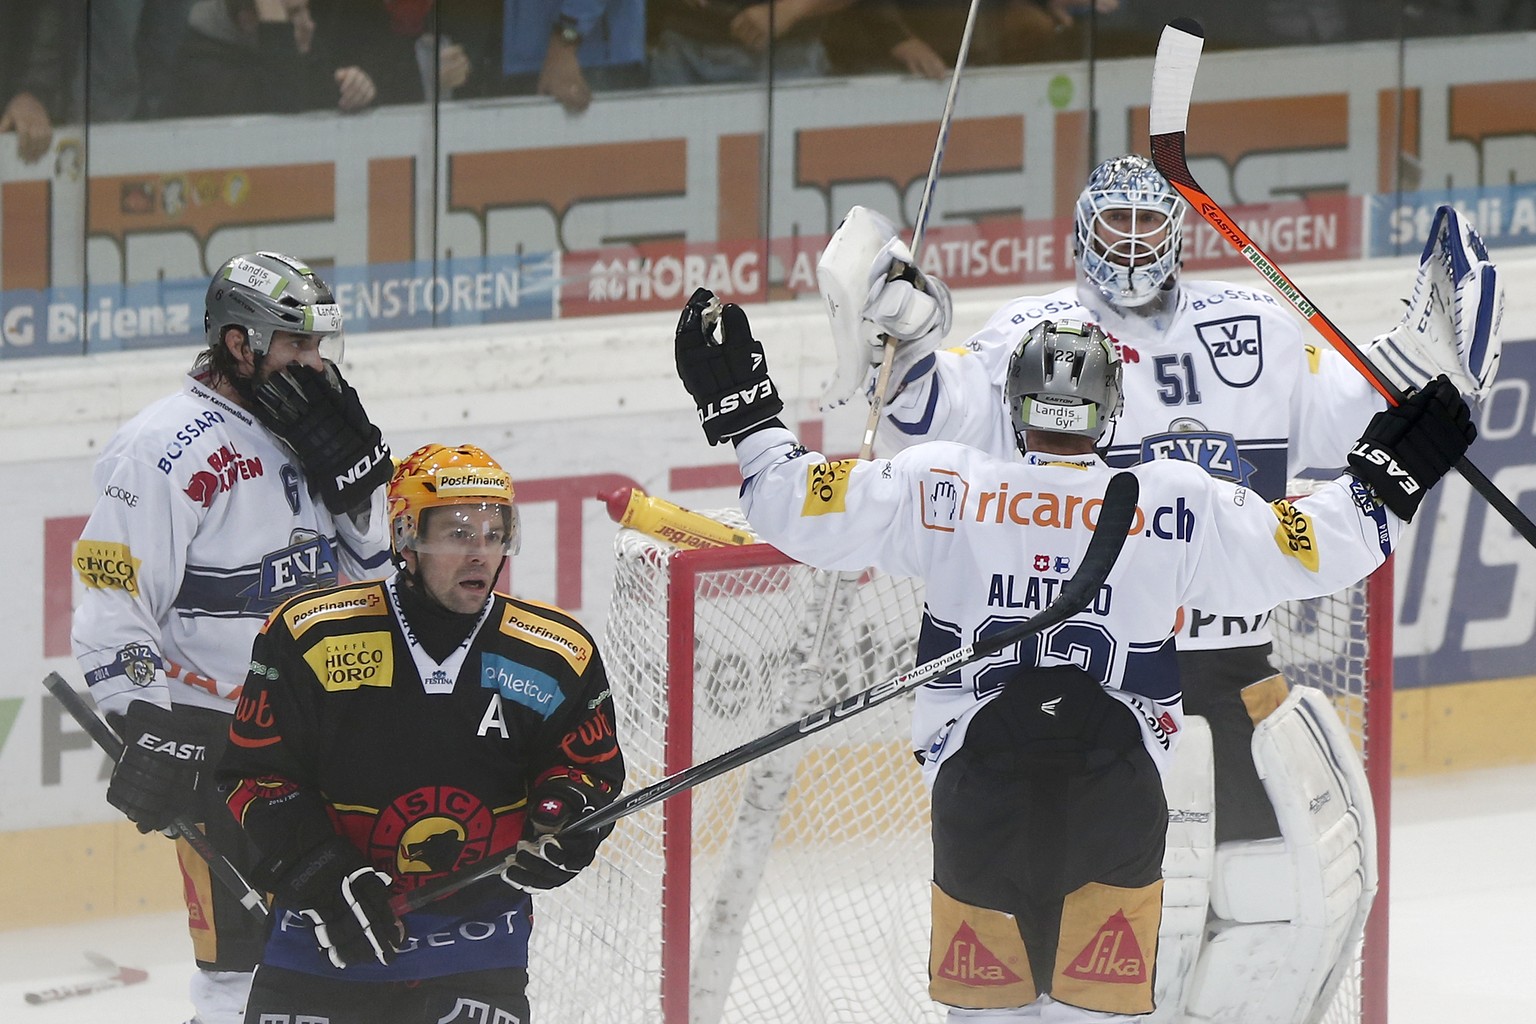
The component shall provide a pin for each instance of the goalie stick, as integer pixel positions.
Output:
(1115, 517)
(182, 826)
(1173, 83)
(920, 226)
(118, 978)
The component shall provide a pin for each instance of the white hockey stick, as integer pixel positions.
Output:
(120, 977)
(1173, 83)
(920, 226)
(1115, 518)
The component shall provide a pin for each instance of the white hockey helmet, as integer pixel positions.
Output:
(1129, 231)
(1063, 377)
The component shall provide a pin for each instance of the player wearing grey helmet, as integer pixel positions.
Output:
(261, 479)
(1045, 759)
(1218, 374)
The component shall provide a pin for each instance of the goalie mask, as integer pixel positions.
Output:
(442, 480)
(1064, 377)
(263, 292)
(1128, 232)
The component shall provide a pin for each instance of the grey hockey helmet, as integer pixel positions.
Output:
(1128, 231)
(1064, 377)
(265, 292)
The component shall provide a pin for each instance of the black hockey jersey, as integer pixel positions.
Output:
(345, 725)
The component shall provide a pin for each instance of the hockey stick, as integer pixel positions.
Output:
(182, 826)
(119, 978)
(920, 226)
(1115, 517)
(1173, 82)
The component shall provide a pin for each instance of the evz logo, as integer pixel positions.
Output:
(1236, 348)
(307, 564)
(1213, 451)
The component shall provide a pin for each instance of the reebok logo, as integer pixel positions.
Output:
(1050, 706)
(969, 962)
(1113, 955)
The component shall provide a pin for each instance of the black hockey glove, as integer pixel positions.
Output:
(1405, 450)
(348, 901)
(321, 418)
(545, 859)
(156, 778)
(726, 375)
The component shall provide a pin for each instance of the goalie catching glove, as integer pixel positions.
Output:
(727, 374)
(321, 418)
(874, 291)
(1453, 319)
(547, 859)
(347, 899)
(1406, 449)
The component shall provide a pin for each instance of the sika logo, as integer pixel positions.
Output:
(969, 962)
(1113, 955)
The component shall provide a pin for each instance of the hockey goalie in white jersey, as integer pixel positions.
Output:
(1045, 761)
(1218, 375)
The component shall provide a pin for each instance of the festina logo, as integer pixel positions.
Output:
(1113, 955)
(970, 963)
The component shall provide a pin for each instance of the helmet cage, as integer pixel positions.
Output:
(264, 292)
(1063, 377)
(1129, 267)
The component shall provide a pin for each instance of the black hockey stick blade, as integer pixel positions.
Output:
(1173, 83)
(184, 827)
(1115, 517)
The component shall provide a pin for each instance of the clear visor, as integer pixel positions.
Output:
(489, 528)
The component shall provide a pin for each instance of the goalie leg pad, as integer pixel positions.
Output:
(1188, 860)
(1291, 911)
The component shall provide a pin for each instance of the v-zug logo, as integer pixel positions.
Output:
(307, 564)
(520, 683)
(1236, 348)
(1213, 451)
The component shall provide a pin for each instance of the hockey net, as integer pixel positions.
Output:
(796, 888)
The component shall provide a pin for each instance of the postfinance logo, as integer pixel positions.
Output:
(352, 661)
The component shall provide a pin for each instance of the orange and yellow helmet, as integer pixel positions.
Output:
(437, 476)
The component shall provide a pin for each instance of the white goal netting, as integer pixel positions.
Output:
(794, 888)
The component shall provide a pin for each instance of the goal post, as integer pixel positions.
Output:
(712, 907)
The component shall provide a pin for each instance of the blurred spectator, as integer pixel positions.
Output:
(36, 59)
(379, 38)
(710, 41)
(264, 57)
(132, 55)
(567, 48)
(872, 36)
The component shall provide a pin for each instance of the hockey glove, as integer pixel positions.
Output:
(156, 778)
(546, 859)
(726, 375)
(322, 419)
(347, 899)
(911, 308)
(1453, 318)
(1405, 450)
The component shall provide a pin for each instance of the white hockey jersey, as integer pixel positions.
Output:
(203, 526)
(1224, 380)
(994, 539)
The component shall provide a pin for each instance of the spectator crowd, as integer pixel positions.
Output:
(104, 61)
